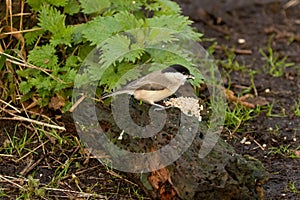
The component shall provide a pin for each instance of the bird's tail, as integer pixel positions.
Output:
(117, 93)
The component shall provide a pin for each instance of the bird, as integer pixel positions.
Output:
(156, 85)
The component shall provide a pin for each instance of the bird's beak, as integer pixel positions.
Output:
(190, 77)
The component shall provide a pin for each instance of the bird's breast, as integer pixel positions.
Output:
(150, 96)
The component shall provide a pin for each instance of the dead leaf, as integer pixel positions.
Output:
(57, 102)
(158, 177)
(297, 153)
(247, 100)
(14, 32)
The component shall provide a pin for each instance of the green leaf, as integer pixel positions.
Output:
(100, 29)
(51, 19)
(128, 20)
(72, 7)
(178, 23)
(84, 50)
(43, 56)
(94, 6)
(82, 79)
(25, 87)
(175, 22)
(163, 7)
(169, 7)
(32, 36)
(119, 48)
(128, 5)
(69, 76)
(64, 36)
(72, 62)
(78, 36)
(35, 4)
(57, 2)
(43, 85)
(108, 26)
(125, 72)
(161, 35)
(27, 73)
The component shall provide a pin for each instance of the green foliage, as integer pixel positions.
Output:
(43, 56)
(127, 33)
(37, 4)
(31, 37)
(296, 109)
(162, 7)
(92, 6)
(72, 7)
(238, 115)
(275, 65)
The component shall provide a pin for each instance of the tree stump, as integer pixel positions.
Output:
(222, 174)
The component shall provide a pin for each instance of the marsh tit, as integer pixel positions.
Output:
(157, 85)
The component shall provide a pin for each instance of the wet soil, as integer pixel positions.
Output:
(226, 22)
(256, 22)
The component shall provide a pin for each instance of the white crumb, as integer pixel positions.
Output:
(188, 105)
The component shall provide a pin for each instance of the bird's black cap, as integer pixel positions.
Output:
(176, 68)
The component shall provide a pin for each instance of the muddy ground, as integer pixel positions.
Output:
(255, 22)
(243, 26)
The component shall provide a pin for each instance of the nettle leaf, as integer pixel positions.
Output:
(92, 6)
(100, 29)
(78, 36)
(57, 2)
(166, 56)
(161, 35)
(162, 7)
(42, 83)
(128, 5)
(51, 19)
(94, 70)
(64, 36)
(32, 36)
(27, 73)
(128, 20)
(115, 77)
(69, 76)
(72, 61)
(108, 26)
(43, 56)
(25, 87)
(35, 4)
(119, 48)
(174, 22)
(168, 7)
(72, 7)
(82, 79)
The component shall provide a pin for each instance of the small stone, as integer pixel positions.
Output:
(241, 41)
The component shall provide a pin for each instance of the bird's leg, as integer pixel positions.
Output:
(160, 107)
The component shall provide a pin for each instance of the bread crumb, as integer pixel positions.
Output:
(188, 105)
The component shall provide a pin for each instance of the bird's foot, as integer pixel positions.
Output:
(160, 107)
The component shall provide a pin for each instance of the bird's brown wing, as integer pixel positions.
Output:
(152, 87)
(151, 81)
